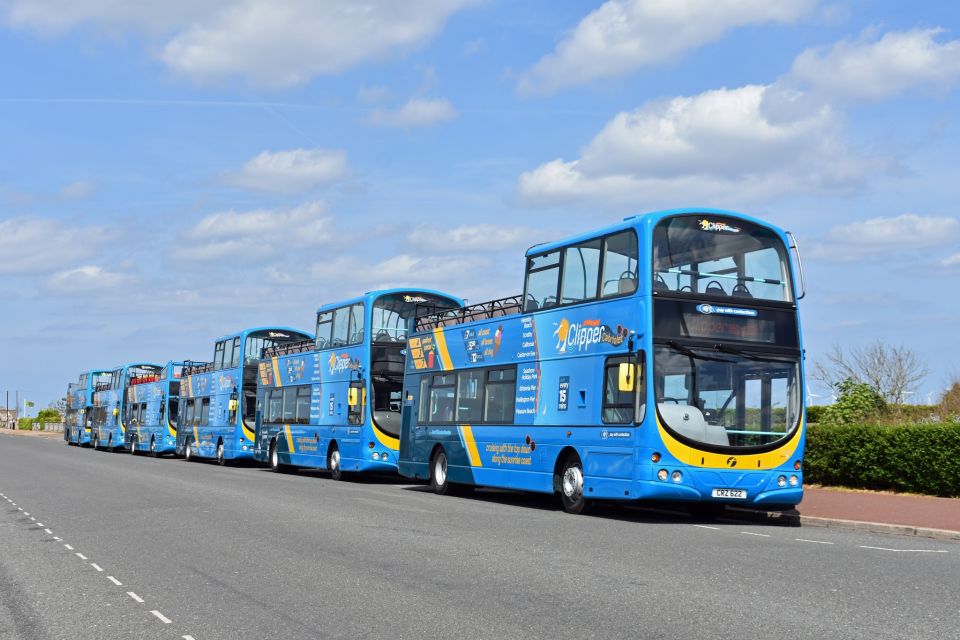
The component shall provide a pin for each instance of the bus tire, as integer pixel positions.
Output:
(188, 451)
(571, 485)
(335, 462)
(110, 442)
(153, 448)
(133, 446)
(221, 454)
(275, 465)
(439, 480)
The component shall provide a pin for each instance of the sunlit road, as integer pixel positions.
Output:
(100, 545)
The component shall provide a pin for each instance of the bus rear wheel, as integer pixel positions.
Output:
(133, 446)
(153, 448)
(334, 463)
(571, 486)
(188, 451)
(439, 480)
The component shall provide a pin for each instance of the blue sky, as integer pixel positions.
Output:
(175, 171)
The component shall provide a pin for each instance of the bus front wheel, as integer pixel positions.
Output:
(571, 486)
(333, 463)
(188, 451)
(221, 454)
(153, 448)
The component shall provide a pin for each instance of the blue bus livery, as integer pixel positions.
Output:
(657, 359)
(79, 413)
(110, 402)
(151, 411)
(334, 402)
(218, 399)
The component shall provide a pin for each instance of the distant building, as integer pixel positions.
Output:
(8, 418)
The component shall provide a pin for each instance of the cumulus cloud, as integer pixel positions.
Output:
(871, 68)
(271, 42)
(417, 112)
(258, 233)
(624, 35)
(951, 261)
(78, 190)
(887, 237)
(717, 146)
(289, 172)
(478, 237)
(40, 245)
(85, 279)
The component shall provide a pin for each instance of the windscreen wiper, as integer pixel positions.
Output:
(693, 354)
(723, 348)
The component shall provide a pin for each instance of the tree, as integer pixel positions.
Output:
(892, 371)
(48, 415)
(60, 405)
(950, 400)
(857, 402)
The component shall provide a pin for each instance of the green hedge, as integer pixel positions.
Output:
(917, 458)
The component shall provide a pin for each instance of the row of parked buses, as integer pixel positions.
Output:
(656, 359)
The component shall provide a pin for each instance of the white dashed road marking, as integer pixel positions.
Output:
(703, 526)
(81, 556)
(69, 548)
(162, 618)
(96, 566)
(759, 535)
(114, 581)
(863, 546)
(813, 541)
(134, 596)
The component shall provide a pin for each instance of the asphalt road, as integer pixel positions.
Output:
(245, 553)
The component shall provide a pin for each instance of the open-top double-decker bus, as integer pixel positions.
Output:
(658, 358)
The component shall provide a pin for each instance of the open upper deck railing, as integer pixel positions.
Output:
(190, 368)
(144, 379)
(428, 318)
(101, 386)
(286, 348)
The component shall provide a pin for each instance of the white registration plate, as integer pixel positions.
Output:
(735, 494)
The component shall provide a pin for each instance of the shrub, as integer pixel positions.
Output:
(918, 458)
(857, 402)
(815, 412)
(25, 424)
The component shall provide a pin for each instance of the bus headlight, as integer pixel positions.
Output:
(782, 481)
(794, 481)
(662, 474)
(676, 476)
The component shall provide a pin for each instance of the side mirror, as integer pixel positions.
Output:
(233, 404)
(628, 376)
(353, 397)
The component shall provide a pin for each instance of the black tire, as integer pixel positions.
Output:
(153, 448)
(95, 440)
(570, 484)
(133, 446)
(439, 480)
(221, 454)
(188, 452)
(110, 442)
(275, 465)
(335, 462)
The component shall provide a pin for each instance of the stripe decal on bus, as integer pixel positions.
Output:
(286, 427)
(442, 348)
(386, 440)
(471, 445)
(746, 462)
(276, 373)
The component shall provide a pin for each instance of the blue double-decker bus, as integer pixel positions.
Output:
(79, 412)
(152, 410)
(218, 399)
(110, 404)
(334, 402)
(656, 359)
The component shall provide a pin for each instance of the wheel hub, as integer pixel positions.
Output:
(440, 470)
(572, 482)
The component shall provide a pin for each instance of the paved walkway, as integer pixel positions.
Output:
(886, 508)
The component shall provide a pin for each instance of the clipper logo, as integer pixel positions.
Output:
(342, 362)
(417, 299)
(580, 336)
(710, 225)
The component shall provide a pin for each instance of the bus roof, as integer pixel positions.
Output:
(247, 332)
(376, 293)
(650, 218)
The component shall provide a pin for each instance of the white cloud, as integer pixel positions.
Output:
(951, 261)
(79, 190)
(271, 42)
(39, 245)
(717, 147)
(256, 234)
(85, 279)
(293, 171)
(624, 35)
(887, 237)
(479, 237)
(874, 69)
(417, 112)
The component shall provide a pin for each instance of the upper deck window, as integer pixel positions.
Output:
(347, 325)
(600, 268)
(324, 329)
(718, 256)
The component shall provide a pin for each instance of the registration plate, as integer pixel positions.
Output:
(736, 494)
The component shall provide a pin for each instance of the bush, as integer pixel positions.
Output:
(857, 402)
(815, 412)
(25, 424)
(918, 458)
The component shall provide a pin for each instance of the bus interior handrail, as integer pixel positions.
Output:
(287, 348)
(190, 368)
(429, 318)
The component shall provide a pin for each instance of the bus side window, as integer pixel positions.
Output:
(501, 393)
(620, 264)
(324, 329)
(543, 281)
(205, 411)
(423, 415)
